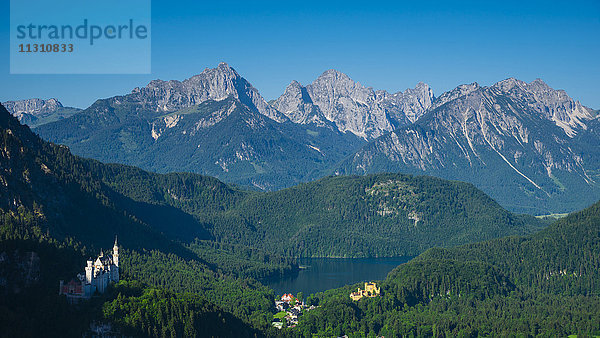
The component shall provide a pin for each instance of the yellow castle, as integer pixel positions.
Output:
(371, 290)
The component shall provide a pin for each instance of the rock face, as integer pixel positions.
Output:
(335, 97)
(455, 93)
(212, 84)
(32, 106)
(514, 140)
(298, 106)
(35, 112)
(555, 105)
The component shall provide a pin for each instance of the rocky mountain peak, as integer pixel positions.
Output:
(223, 65)
(34, 112)
(351, 106)
(297, 92)
(539, 83)
(348, 104)
(421, 89)
(32, 106)
(337, 84)
(333, 73)
(212, 84)
(223, 71)
(455, 93)
(53, 103)
(295, 84)
(509, 84)
(297, 105)
(555, 105)
(537, 96)
(414, 102)
(422, 86)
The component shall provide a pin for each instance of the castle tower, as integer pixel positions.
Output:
(89, 271)
(115, 270)
(116, 253)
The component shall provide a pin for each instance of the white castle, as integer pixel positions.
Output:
(98, 275)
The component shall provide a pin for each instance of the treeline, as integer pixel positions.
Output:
(137, 311)
(242, 261)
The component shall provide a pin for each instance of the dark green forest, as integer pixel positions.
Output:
(55, 214)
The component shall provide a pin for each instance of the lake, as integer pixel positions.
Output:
(321, 274)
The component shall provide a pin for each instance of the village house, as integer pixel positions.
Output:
(287, 297)
(281, 305)
(292, 308)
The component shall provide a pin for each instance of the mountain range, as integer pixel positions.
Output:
(370, 216)
(530, 147)
(197, 244)
(526, 142)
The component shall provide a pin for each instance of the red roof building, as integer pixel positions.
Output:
(287, 297)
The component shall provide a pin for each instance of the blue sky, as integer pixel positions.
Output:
(385, 45)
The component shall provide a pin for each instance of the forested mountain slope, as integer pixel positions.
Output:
(542, 284)
(564, 258)
(371, 216)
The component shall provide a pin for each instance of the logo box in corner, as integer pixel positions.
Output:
(80, 37)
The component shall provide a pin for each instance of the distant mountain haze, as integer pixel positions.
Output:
(35, 112)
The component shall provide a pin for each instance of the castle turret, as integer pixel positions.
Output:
(115, 258)
(116, 253)
(89, 271)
